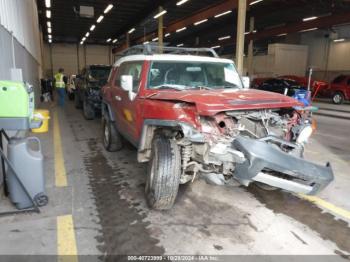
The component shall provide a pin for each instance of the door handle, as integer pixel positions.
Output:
(118, 98)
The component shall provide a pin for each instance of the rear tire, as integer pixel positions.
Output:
(112, 140)
(88, 110)
(338, 98)
(77, 102)
(164, 170)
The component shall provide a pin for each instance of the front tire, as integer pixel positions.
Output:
(164, 170)
(338, 98)
(88, 110)
(112, 140)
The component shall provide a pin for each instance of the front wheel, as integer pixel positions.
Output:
(338, 98)
(164, 170)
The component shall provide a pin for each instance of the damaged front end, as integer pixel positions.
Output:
(260, 146)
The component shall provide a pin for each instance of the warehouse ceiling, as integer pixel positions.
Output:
(69, 26)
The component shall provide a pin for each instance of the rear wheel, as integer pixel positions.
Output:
(338, 98)
(164, 170)
(112, 140)
(88, 110)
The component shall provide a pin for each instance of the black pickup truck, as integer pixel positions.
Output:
(88, 89)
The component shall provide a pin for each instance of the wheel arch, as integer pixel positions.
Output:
(150, 128)
(107, 112)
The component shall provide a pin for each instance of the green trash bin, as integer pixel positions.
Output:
(16, 106)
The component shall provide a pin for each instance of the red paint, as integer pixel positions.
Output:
(184, 106)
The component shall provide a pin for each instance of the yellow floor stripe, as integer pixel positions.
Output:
(326, 205)
(60, 170)
(66, 243)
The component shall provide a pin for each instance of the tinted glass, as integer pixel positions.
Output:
(99, 73)
(339, 79)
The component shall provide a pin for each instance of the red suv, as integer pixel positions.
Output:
(339, 89)
(190, 116)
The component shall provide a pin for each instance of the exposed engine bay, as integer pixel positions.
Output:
(269, 139)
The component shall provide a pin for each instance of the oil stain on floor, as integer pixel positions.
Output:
(123, 230)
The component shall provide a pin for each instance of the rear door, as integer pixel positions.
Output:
(126, 108)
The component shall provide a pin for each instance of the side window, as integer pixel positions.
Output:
(130, 68)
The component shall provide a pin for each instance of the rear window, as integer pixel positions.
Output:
(100, 73)
(339, 79)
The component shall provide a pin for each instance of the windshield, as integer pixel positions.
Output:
(99, 73)
(193, 75)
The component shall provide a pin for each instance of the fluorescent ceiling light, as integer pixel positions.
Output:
(92, 28)
(100, 19)
(255, 2)
(131, 30)
(224, 13)
(339, 40)
(50, 40)
(181, 2)
(310, 18)
(48, 24)
(282, 34)
(155, 39)
(181, 29)
(146, 42)
(224, 37)
(115, 40)
(246, 33)
(310, 29)
(167, 34)
(48, 3)
(201, 22)
(48, 13)
(215, 47)
(179, 45)
(87, 34)
(108, 8)
(160, 14)
(82, 42)
(50, 36)
(108, 40)
(83, 39)
(49, 30)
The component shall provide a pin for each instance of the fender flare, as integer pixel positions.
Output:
(107, 112)
(150, 125)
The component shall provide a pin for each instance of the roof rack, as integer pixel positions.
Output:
(151, 49)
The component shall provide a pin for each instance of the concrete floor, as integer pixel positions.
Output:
(105, 197)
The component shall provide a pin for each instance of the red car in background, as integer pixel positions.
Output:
(338, 90)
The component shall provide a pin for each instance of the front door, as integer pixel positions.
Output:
(125, 105)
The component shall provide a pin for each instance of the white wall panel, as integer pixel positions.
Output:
(20, 17)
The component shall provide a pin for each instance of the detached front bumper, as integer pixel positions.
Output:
(267, 164)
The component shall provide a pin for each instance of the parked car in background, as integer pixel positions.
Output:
(71, 87)
(338, 89)
(287, 87)
(192, 115)
(88, 89)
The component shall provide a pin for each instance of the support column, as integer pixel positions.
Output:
(160, 31)
(251, 48)
(78, 58)
(127, 40)
(242, 8)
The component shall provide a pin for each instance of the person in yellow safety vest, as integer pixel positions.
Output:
(60, 86)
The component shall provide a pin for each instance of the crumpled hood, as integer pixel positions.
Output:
(210, 102)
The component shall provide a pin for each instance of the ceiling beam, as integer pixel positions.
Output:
(205, 13)
(322, 22)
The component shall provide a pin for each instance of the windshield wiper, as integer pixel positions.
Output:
(203, 87)
(176, 87)
(228, 86)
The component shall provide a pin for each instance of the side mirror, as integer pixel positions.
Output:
(126, 82)
(246, 82)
